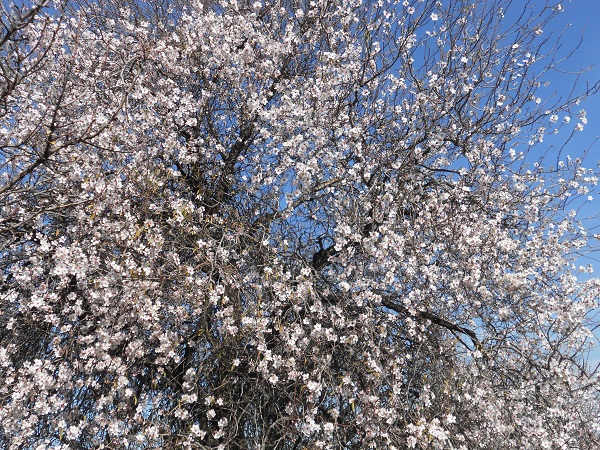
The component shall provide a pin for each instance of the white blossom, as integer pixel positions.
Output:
(321, 224)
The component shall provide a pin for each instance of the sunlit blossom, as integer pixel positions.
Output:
(320, 224)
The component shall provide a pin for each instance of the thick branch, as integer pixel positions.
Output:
(434, 319)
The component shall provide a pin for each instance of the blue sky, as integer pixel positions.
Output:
(578, 20)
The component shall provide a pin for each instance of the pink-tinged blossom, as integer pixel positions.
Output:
(317, 224)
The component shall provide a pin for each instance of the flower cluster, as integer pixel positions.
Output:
(288, 224)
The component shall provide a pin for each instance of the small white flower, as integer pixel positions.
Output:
(411, 441)
(196, 431)
(434, 17)
(313, 386)
(73, 432)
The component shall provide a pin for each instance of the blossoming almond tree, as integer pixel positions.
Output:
(289, 224)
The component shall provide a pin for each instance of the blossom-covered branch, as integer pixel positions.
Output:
(232, 224)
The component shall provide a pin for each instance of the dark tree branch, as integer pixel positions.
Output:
(433, 319)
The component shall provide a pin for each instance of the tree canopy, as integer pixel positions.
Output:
(289, 224)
